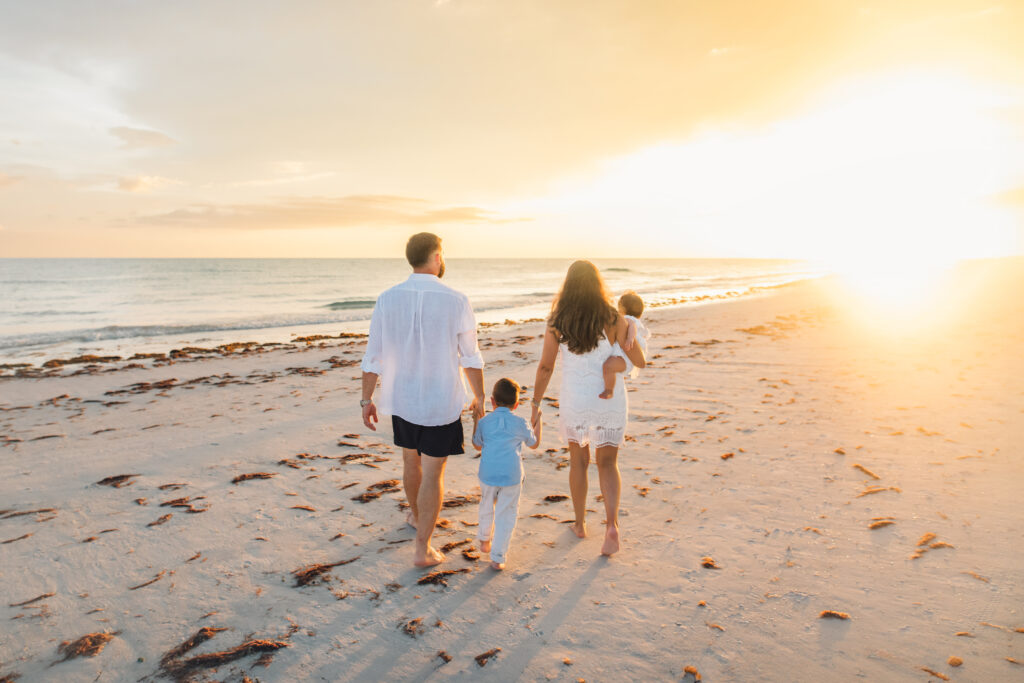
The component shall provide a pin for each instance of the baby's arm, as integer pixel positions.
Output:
(630, 334)
(537, 428)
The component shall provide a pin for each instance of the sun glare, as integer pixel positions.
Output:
(898, 168)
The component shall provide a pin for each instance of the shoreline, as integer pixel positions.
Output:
(106, 355)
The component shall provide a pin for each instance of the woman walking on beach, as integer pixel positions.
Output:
(587, 329)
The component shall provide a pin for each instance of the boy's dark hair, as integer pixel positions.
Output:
(632, 304)
(506, 392)
(419, 248)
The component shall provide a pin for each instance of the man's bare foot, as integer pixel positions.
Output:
(607, 393)
(580, 529)
(431, 558)
(497, 566)
(411, 520)
(485, 546)
(611, 541)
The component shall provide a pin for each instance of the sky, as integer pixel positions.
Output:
(838, 131)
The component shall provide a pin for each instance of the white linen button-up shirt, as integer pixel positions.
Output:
(421, 334)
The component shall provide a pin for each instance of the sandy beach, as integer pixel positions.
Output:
(809, 494)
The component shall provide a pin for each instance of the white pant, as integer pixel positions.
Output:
(499, 508)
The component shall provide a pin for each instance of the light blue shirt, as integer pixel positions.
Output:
(502, 434)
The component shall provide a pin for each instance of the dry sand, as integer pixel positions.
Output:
(768, 440)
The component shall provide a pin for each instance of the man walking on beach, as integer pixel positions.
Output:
(422, 337)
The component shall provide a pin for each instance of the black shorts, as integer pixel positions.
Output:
(438, 442)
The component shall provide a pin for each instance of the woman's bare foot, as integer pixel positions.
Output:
(580, 529)
(497, 566)
(611, 541)
(607, 393)
(485, 546)
(430, 558)
(410, 520)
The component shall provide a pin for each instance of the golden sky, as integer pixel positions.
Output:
(775, 128)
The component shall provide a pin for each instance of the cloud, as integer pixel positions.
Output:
(139, 138)
(143, 183)
(324, 212)
(282, 181)
(7, 180)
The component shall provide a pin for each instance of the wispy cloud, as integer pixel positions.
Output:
(264, 182)
(8, 180)
(139, 138)
(143, 183)
(324, 212)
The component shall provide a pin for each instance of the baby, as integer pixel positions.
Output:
(631, 306)
(501, 435)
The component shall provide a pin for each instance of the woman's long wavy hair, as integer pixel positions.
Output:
(582, 310)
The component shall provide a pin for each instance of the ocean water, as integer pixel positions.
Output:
(64, 307)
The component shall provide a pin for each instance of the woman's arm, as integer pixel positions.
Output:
(545, 367)
(634, 353)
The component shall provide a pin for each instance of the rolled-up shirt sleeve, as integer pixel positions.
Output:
(372, 359)
(469, 349)
(526, 433)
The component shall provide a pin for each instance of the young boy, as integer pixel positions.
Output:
(631, 306)
(501, 435)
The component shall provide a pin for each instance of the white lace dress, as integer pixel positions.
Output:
(585, 418)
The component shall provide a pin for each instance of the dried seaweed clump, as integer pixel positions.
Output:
(183, 670)
(252, 475)
(459, 501)
(832, 614)
(89, 645)
(317, 573)
(441, 577)
(708, 563)
(201, 636)
(555, 498)
(481, 659)
(448, 547)
(692, 670)
(413, 627)
(118, 480)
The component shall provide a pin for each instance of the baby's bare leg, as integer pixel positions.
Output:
(612, 366)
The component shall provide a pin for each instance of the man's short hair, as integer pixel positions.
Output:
(419, 248)
(632, 304)
(506, 392)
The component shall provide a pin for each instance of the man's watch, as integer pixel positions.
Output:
(363, 402)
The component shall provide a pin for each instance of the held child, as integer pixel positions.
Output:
(500, 435)
(631, 306)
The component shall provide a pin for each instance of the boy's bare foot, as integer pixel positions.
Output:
(580, 529)
(497, 566)
(410, 520)
(485, 546)
(607, 393)
(611, 541)
(431, 558)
